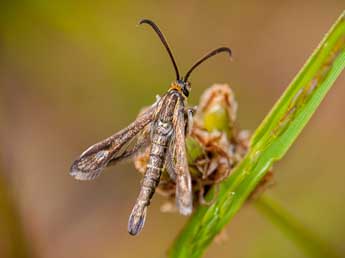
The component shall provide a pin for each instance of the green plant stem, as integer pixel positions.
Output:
(294, 229)
(269, 143)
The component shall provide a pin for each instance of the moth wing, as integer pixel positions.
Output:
(92, 161)
(170, 160)
(142, 141)
(184, 197)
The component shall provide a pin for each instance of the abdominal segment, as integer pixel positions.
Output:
(160, 139)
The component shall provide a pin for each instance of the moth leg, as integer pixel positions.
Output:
(184, 197)
(189, 114)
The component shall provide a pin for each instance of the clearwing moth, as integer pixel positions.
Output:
(163, 128)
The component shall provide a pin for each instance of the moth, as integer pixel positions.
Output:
(162, 128)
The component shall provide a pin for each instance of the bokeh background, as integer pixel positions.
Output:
(73, 73)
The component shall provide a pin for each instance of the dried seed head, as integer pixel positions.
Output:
(214, 147)
(217, 109)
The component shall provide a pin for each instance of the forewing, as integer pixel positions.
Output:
(92, 161)
(184, 198)
(170, 160)
(142, 141)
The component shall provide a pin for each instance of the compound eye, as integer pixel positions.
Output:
(185, 91)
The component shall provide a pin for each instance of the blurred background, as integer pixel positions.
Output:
(73, 73)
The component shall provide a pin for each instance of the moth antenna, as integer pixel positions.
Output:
(212, 53)
(163, 40)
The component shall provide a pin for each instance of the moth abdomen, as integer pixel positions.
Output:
(160, 139)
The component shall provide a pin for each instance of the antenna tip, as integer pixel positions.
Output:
(140, 22)
(144, 21)
(226, 49)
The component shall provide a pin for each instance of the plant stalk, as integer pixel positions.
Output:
(269, 143)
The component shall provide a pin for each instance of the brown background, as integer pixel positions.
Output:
(74, 73)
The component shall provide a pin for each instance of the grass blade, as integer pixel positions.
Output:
(269, 143)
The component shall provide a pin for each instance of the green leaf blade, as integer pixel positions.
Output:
(269, 143)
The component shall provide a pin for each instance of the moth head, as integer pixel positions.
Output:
(181, 86)
(185, 87)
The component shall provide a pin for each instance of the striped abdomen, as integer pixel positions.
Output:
(162, 131)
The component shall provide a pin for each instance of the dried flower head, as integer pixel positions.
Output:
(215, 146)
